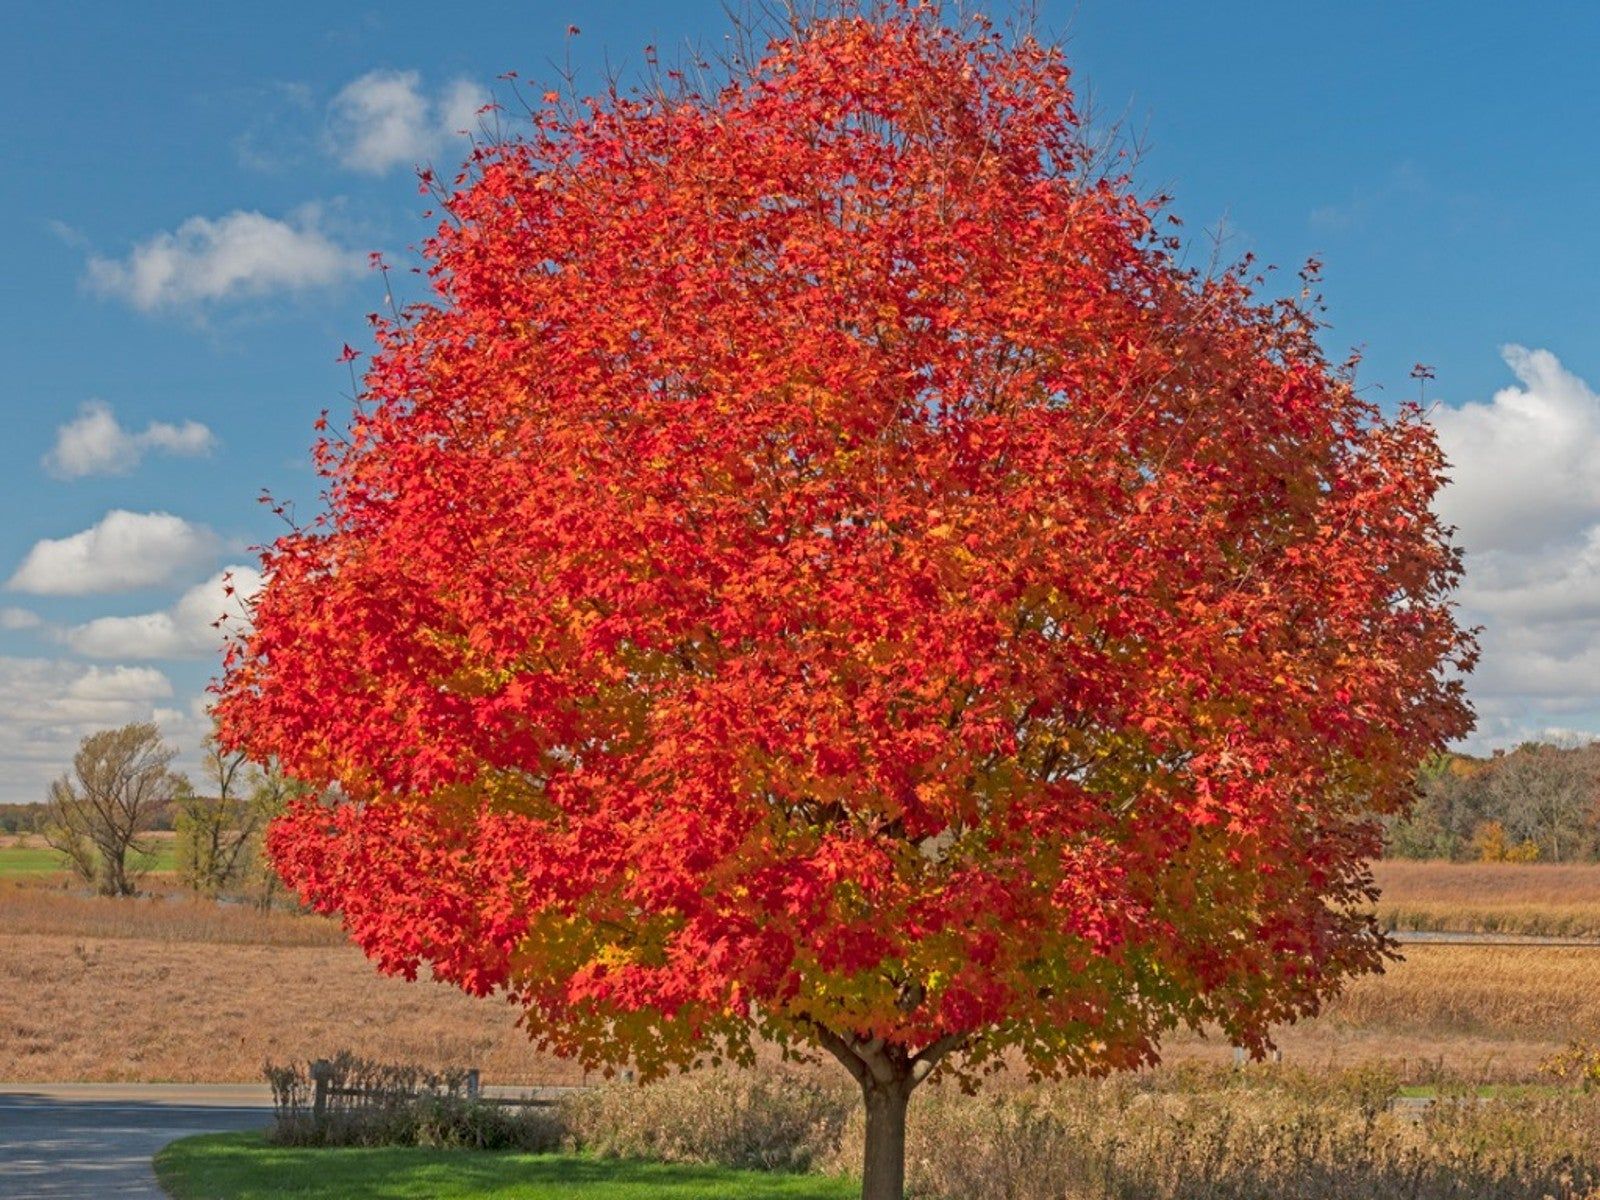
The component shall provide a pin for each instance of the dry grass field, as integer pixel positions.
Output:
(1558, 899)
(1494, 1012)
(1485, 1012)
(182, 990)
(1479, 1012)
(169, 988)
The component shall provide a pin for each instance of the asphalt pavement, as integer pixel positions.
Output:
(95, 1141)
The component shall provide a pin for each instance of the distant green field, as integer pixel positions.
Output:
(41, 860)
(28, 860)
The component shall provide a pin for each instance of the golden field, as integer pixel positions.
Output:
(1485, 1012)
(1550, 900)
(170, 988)
(1490, 1011)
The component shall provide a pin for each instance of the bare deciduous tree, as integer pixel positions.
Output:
(120, 781)
(219, 835)
(271, 795)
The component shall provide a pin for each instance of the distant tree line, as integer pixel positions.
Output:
(1537, 803)
(20, 818)
(121, 788)
(28, 817)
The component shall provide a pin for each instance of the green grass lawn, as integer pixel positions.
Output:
(41, 860)
(165, 857)
(241, 1166)
(29, 860)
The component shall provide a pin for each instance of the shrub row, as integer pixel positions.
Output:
(382, 1104)
(1173, 1135)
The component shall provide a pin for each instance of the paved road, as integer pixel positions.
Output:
(95, 1141)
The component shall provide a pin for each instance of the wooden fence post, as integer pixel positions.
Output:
(321, 1076)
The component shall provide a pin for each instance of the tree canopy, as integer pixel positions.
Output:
(822, 568)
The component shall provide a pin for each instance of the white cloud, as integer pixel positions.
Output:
(95, 443)
(186, 728)
(458, 107)
(18, 618)
(380, 121)
(186, 630)
(1525, 497)
(1527, 463)
(125, 550)
(385, 120)
(118, 684)
(48, 706)
(240, 254)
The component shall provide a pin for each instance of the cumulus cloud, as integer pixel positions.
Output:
(119, 684)
(1525, 463)
(18, 618)
(238, 255)
(1525, 498)
(186, 728)
(385, 119)
(188, 629)
(125, 550)
(96, 443)
(459, 106)
(47, 706)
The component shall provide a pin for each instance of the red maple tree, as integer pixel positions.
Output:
(821, 570)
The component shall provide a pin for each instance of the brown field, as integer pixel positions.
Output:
(1490, 1012)
(169, 988)
(36, 841)
(56, 907)
(1560, 900)
(178, 990)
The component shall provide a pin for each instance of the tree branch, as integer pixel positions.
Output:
(840, 1049)
(929, 1057)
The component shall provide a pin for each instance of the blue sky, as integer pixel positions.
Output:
(190, 192)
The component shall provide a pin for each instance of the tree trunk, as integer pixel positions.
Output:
(888, 1073)
(116, 865)
(883, 1175)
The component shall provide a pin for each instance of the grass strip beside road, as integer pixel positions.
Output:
(242, 1166)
